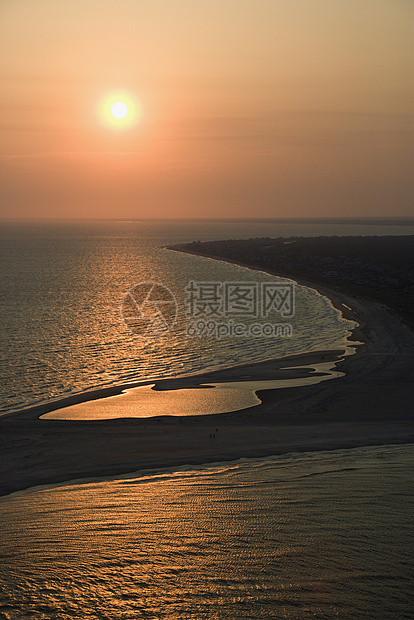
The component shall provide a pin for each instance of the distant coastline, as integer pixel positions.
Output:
(378, 221)
(376, 268)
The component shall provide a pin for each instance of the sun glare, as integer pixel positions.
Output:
(119, 110)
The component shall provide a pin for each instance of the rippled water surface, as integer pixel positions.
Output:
(62, 287)
(321, 535)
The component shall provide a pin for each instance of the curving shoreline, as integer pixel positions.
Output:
(373, 404)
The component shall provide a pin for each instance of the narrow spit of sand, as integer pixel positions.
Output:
(372, 404)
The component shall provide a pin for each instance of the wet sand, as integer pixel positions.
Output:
(223, 391)
(373, 404)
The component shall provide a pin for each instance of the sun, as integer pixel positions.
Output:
(119, 110)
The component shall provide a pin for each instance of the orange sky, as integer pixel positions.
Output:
(244, 108)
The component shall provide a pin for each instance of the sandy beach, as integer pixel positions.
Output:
(372, 404)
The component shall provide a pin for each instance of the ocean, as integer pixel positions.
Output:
(62, 285)
(321, 535)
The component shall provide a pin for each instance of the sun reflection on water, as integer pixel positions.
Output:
(289, 537)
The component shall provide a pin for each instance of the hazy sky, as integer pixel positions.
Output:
(243, 108)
